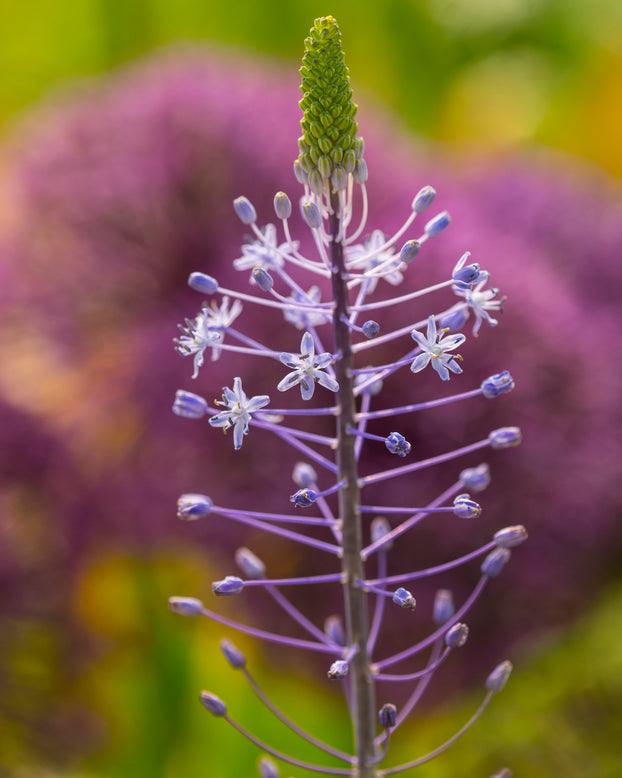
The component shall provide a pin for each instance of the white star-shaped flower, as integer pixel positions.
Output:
(307, 369)
(434, 348)
(238, 411)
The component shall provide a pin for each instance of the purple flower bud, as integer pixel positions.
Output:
(338, 669)
(193, 506)
(505, 437)
(203, 283)
(370, 329)
(495, 561)
(387, 715)
(282, 205)
(497, 384)
(229, 585)
(476, 478)
(457, 635)
(316, 182)
(310, 213)
(508, 537)
(423, 199)
(304, 475)
(267, 768)
(360, 173)
(499, 676)
(245, 210)
(443, 607)
(404, 599)
(303, 498)
(397, 444)
(465, 508)
(213, 704)
(379, 529)
(333, 628)
(185, 606)
(409, 251)
(466, 275)
(250, 564)
(301, 174)
(262, 278)
(232, 654)
(436, 225)
(189, 405)
(339, 178)
(455, 318)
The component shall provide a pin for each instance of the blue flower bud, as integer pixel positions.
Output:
(338, 669)
(282, 205)
(303, 498)
(499, 676)
(476, 479)
(262, 278)
(370, 329)
(495, 561)
(250, 564)
(423, 199)
(455, 318)
(443, 607)
(397, 444)
(193, 506)
(436, 225)
(379, 529)
(230, 584)
(203, 283)
(387, 715)
(404, 599)
(497, 384)
(456, 635)
(508, 537)
(360, 173)
(304, 475)
(245, 210)
(505, 437)
(185, 606)
(310, 213)
(339, 178)
(301, 174)
(189, 405)
(213, 704)
(267, 768)
(409, 251)
(316, 182)
(466, 275)
(232, 654)
(333, 628)
(465, 508)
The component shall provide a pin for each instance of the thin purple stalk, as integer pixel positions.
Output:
(383, 414)
(284, 517)
(303, 581)
(428, 669)
(299, 617)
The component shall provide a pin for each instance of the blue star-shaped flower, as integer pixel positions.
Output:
(307, 369)
(239, 410)
(434, 348)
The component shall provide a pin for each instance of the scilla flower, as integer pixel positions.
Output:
(435, 348)
(307, 369)
(238, 411)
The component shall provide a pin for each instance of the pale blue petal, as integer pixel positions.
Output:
(441, 369)
(431, 332)
(291, 379)
(307, 387)
(328, 382)
(420, 362)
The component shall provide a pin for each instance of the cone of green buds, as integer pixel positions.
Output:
(330, 149)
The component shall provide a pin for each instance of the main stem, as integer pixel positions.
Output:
(363, 707)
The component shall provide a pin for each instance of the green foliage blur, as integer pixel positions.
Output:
(478, 75)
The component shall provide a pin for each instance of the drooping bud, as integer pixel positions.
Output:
(505, 437)
(443, 607)
(338, 669)
(509, 537)
(229, 585)
(494, 562)
(404, 599)
(456, 635)
(497, 384)
(499, 676)
(185, 606)
(203, 283)
(193, 506)
(213, 704)
(387, 715)
(232, 654)
(329, 147)
(250, 564)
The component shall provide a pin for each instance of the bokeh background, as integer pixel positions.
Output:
(127, 128)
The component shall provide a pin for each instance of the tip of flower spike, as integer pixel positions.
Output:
(499, 676)
(329, 147)
(338, 669)
(229, 585)
(213, 704)
(185, 606)
(232, 654)
(193, 506)
(387, 715)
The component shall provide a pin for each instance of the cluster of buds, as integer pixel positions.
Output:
(331, 478)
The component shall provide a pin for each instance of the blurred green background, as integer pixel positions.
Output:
(477, 75)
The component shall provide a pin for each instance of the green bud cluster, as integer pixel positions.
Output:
(330, 149)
